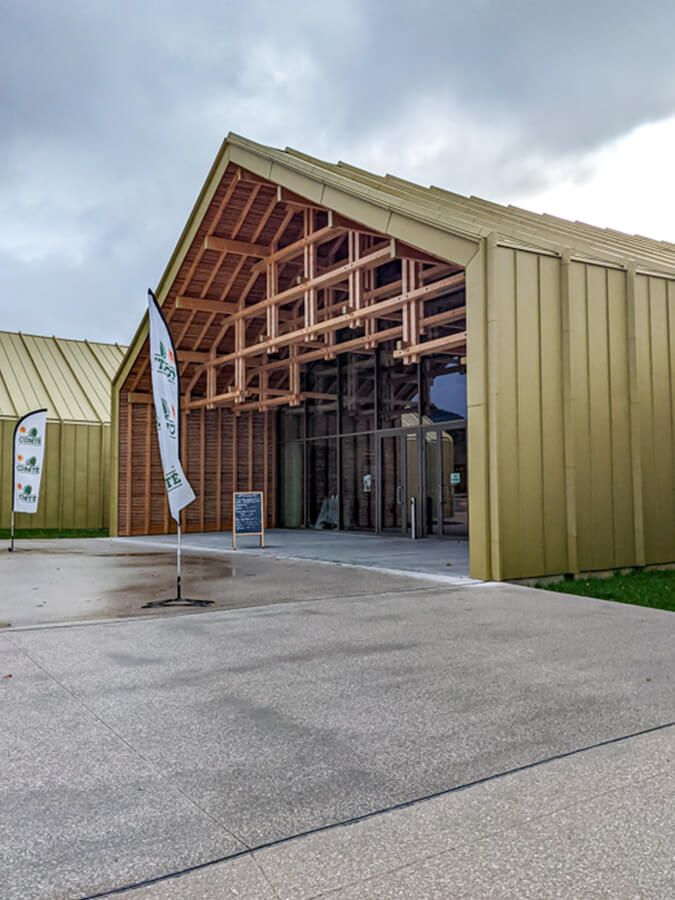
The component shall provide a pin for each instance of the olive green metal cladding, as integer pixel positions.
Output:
(571, 389)
(72, 380)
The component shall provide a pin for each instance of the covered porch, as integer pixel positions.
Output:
(432, 559)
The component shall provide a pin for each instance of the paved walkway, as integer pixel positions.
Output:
(76, 580)
(442, 559)
(599, 823)
(136, 749)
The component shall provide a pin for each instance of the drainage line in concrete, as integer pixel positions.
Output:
(378, 812)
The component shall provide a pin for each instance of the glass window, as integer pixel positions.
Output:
(399, 394)
(358, 482)
(322, 484)
(357, 392)
(321, 378)
(444, 390)
(291, 465)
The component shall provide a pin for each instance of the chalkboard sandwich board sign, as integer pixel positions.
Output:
(249, 515)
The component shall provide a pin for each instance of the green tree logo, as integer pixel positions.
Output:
(33, 432)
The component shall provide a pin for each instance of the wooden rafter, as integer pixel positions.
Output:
(241, 248)
(287, 300)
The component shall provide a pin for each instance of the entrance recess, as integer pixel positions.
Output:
(422, 488)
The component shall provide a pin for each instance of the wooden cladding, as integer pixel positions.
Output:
(220, 451)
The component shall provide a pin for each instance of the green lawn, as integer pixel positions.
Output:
(656, 589)
(48, 533)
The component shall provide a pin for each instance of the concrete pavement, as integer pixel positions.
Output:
(135, 749)
(76, 580)
(599, 823)
(440, 558)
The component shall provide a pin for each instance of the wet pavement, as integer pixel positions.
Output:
(445, 560)
(46, 582)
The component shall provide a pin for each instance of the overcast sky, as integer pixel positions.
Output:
(111, 114)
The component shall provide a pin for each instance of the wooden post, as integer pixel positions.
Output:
(219, 468)
(202, 465)
(148, 465)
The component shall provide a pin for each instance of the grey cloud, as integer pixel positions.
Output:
(112, 112)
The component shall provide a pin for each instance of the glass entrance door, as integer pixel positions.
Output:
(399, 487)
(445, 493)
(454, 518)
(391, 488)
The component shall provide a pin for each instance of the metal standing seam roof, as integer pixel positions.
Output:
(473, 217)
(70, 378)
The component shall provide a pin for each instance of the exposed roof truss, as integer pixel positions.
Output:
(273, 281)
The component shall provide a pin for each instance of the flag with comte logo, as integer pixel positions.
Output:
(166, 397)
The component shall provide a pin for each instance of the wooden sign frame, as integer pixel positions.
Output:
(261, 533)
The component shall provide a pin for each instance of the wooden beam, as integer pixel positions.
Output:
(295, 249)
(191, 356)
(218, 400)
(261, 405)
(443, 318)
(439, 345)
(229, 245)
(360, 343)
(138, 397)
(201, 304)
(325, 279)
(367, 312)
(148, 468)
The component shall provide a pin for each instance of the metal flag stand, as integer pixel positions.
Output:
(11, 530)
(179, 598)
(164, 331)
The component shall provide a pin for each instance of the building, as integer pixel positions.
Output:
(71, 379)
(377, 355)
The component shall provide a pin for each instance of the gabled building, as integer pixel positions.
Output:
(381, 356)
(71, 379)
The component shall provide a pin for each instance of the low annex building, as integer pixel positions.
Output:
(379, 356)
(71, 379)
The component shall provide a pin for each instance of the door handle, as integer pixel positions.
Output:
(399, 494)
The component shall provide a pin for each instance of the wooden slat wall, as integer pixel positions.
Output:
(210, 465)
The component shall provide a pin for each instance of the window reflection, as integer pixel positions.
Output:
(445, 390)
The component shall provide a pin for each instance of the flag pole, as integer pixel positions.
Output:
(166, 395)
(11, 545)
(178, 594)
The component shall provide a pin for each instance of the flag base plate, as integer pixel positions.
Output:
(181, 601)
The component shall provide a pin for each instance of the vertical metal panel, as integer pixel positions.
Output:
(581, 424)
(477, 418)
(527, 358)
(569, 413)
(600, 500)
(529, 435)
(75, 477)
(508, 480)
(620, 420)
(555, 525)
(654, 342)
(635, 417)
(585, 415)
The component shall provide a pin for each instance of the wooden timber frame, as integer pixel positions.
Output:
(271, 282)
